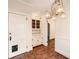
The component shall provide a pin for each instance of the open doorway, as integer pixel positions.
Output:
(48, 31)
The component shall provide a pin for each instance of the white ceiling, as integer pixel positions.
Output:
(38, 4)
(29, 5)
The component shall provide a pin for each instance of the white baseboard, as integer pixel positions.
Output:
(61, 52)
(45, 44)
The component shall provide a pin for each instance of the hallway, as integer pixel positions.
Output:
(42, 52)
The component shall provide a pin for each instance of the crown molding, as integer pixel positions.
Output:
(28, 4)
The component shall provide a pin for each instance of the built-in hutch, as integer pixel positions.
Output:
(36, 33)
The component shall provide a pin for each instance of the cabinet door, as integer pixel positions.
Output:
(17, 34)
(36, 40)
(39, 41)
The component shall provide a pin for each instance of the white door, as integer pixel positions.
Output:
(17, 34)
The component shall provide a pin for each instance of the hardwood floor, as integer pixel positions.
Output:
(42, 52)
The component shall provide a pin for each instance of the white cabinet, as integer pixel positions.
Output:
(36, 40)
(36, 33)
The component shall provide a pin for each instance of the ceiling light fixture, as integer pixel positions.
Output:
(56, 9)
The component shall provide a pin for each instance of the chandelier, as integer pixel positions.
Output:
(56, 9)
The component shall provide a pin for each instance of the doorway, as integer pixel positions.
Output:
(48, 31)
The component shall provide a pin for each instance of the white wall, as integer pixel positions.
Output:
(62, 33)
(21, 34)
(62, 37)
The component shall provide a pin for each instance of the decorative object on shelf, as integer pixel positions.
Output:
(56, 9)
